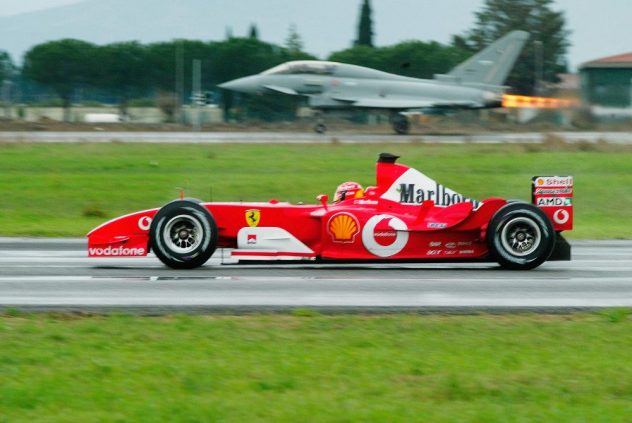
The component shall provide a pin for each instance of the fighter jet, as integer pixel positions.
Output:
(474, 84)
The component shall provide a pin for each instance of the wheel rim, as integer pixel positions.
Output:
(521, 236)
(183, 234)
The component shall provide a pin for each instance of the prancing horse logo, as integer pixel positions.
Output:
(252, 217)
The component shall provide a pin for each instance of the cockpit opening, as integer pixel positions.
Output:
(302, 67)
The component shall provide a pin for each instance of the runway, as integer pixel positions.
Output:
(308, 137)
(44, 275)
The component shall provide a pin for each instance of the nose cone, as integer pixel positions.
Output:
(248, 85)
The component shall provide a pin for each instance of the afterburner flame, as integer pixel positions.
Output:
(523, 101)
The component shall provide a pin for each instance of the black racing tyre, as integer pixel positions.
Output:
(183, 234)
(520, 236)
(193, 199)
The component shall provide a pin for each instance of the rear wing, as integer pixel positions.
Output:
(554, 195)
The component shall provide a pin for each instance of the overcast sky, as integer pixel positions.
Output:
(13, 7)
(598, 28)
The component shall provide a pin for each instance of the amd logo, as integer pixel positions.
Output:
(553, 202)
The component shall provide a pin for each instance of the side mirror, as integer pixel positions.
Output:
(324, 199)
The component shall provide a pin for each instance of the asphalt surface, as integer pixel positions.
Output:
(45, 274)
(307, 137)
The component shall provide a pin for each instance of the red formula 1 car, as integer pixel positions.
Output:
(406, 216)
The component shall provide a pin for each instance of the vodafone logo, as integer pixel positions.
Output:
(110, 251)
(385, 235)
(561, 216)
(144, 223)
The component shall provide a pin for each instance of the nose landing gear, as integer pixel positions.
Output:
(319, 125)
(320, 128)
(400, 123)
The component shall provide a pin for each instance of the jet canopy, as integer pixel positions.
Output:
(303, 67)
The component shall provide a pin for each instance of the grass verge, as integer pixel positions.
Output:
(308, 367)
(65, 190)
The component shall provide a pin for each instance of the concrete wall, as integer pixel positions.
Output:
(136, 114)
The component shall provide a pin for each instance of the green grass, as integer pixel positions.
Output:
(284, 368)
(65, 190)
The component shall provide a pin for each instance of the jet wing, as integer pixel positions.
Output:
(282, 90)
(403, 103)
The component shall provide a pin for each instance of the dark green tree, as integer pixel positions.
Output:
(161, 61)
(254, 32)
(123, 71)
(239, 57)
(293, 42)
(544, 55)
(161, 72)
(63, 66)
(365, 26)
(361, 56)
(411, 58)
(164, 75)
(129, 70)
(7, 73)
(7, 68)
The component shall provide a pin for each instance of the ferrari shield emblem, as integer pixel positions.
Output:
(252, 217)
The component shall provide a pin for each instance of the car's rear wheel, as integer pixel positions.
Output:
(520, 236)
(183, 234)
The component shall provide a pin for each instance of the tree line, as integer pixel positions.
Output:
(129, 70)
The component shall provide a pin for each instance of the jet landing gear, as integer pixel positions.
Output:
(400, 124)
(319, 126)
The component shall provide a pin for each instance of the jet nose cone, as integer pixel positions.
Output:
(248, 84)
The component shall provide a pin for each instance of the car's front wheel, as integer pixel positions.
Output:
(183, 234)
(520, 236)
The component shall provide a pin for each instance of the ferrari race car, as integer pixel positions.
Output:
(405, 217)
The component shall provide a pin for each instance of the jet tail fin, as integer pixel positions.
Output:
(492, 65)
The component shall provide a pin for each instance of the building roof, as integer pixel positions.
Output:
(617, 61)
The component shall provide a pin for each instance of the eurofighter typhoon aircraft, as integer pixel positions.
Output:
(474, 84)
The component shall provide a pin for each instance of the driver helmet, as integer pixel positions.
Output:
(348, 190)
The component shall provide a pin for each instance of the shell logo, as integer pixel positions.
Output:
(343, 227)
(540, 182)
